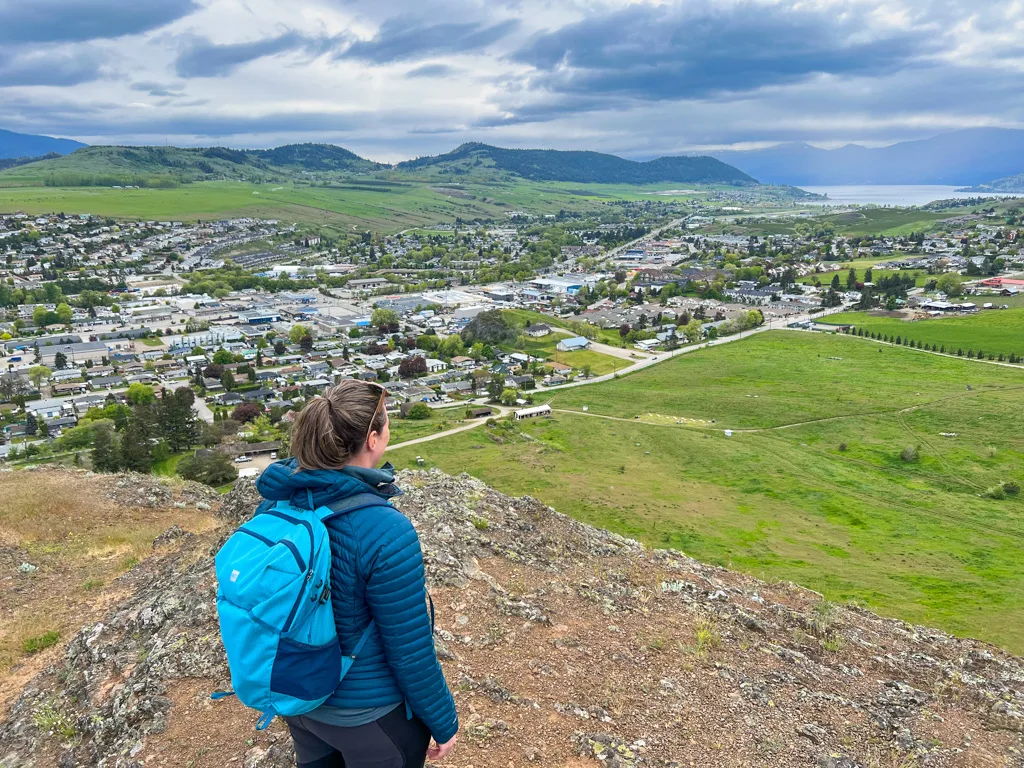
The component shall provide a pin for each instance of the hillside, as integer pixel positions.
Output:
(149, 166)
(972, 156)
(581, 167)
(565, 646)
(26, 145)
(1006, 184)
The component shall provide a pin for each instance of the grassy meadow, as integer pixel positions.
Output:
(829, 504)
(999, 331)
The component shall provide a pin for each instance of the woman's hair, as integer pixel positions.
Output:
(332, 429)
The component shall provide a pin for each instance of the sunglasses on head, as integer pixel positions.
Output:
(383, 397)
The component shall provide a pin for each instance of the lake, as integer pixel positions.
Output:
(891, 194)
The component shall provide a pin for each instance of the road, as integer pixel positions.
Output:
(499, 412)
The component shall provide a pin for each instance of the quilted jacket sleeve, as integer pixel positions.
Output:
(396, 595)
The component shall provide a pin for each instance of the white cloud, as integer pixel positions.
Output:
(398, 79)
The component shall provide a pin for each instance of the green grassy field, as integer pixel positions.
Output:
(398, 207)
(521, 316)
(884, 221)
(921, 277)
(546, 348)
(995, 331)
(829, 504)
(786, 377)
(440, 420)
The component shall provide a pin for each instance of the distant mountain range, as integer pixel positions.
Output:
(15, 145)
(581, 167)
(961, 158)
(160, 166)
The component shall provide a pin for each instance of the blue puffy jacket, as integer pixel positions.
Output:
(376, 573)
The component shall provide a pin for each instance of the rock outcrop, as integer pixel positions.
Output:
(564, 645)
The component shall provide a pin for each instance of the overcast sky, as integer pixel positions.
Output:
(393, 79)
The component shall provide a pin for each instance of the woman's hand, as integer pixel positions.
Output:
(438, 751)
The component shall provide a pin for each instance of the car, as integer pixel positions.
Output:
(273, 455)
(242, 459)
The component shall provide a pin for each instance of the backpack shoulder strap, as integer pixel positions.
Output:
(350, 504)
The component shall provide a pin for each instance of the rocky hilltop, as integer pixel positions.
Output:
(564, 645)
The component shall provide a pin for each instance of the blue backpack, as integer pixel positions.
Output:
(274, 605)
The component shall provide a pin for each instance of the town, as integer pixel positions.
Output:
(249, 318)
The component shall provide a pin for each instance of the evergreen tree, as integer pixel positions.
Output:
(136, 450)
(178, 419)
(31, 425)
(105, 453)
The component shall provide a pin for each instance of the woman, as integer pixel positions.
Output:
(395, 698)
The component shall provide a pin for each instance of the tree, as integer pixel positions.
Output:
(31, 425)
(213, 371)
(64, 313)
(384, 318)
(831, 299)
(298, 333)
(835, 282)
(60, 361)
(105, 452)
(246, 412)
(418, 412)
(140, 394)
(223, 357)
(227, 380)
(279, 347)
(12, 386)
(867, 275)
(586, 371)
(851, 279)
(427, 342)
(509, 396)
(412, 366)
(950, 284)
(306, 343)
(495, 387)
(490, 327)
(211, 468)
(39, 316)
(136, 450)
(37, 373)
(177, 419)
(624, 330)
(452, 346)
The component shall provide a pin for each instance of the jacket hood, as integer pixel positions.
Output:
(311, 488)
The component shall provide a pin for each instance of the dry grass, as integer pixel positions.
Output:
(81, 541)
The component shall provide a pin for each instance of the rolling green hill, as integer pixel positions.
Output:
(577, 166)
(168, 166)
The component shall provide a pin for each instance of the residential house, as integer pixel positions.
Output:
(435, 366)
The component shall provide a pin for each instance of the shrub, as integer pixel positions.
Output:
(418, 412)
(842, 447)
(995, 492)
(40, 642)
(909, 454)
(1011, 488)
(211, 468)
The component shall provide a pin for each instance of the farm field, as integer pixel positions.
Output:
(831, 505)
(884, 221)
(999, 331)
(387, 208)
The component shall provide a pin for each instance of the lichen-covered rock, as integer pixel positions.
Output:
(546, 626)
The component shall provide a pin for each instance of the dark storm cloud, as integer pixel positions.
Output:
(399, 40)
(658, 53)
(203, 58)
(36, 21)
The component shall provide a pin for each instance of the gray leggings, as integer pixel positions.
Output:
(393, 741)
